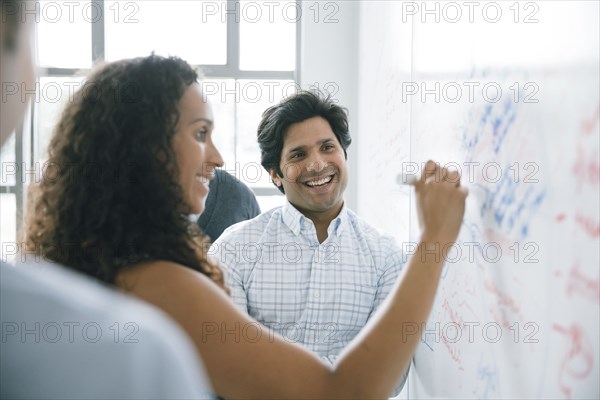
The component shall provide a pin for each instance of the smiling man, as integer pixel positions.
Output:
(310, 270)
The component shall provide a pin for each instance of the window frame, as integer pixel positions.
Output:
(27, 135)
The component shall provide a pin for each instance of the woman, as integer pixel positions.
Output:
(135, 156)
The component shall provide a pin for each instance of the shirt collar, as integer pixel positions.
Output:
(295, 220)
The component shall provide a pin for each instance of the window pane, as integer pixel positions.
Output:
(223, 107)
(65, 33)
(255, 96)
(268, 35)
(193, 30)
(55, 92)
(8, 162)
(8, 228)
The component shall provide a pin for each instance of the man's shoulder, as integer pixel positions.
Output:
(43, 291)
(367, 230)
(379, 243)
(40, 295)
(253, 227)
(43, 282)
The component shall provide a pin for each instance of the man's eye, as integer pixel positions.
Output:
(297, 155)
(328, 147)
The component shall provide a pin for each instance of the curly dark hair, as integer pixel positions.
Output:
(297, 108)
(109, 196)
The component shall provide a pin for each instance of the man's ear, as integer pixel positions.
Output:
(276, 179)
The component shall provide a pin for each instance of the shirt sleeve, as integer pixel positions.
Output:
(393, 264)
(226, 254)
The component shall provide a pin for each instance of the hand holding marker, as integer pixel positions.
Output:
(440, 201)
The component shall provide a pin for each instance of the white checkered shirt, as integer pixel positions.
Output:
(318, 295)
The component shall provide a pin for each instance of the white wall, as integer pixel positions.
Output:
(328, 58)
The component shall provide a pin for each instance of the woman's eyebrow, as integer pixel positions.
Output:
(200, 119)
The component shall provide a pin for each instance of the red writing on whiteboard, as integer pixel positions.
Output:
(578, 361)
(588, 125)
(453, 350)
(580, 284)
(586, 169)
(506, 305)
(454, 353)
(588, 225)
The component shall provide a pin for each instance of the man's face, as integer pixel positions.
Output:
(313, 166)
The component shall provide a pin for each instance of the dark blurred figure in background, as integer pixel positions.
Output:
(229, 201)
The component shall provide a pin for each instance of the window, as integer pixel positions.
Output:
(227, 39)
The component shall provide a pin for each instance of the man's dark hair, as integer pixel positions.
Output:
(297, 108)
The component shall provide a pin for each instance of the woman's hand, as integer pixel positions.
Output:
(440, 203)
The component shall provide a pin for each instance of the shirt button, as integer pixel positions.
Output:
(316, 295)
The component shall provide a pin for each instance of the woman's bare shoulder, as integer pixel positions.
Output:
(239, 365)
(166, 283)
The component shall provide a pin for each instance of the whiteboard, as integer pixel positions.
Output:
(515, 106)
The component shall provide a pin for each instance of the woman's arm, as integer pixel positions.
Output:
(246, 360)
